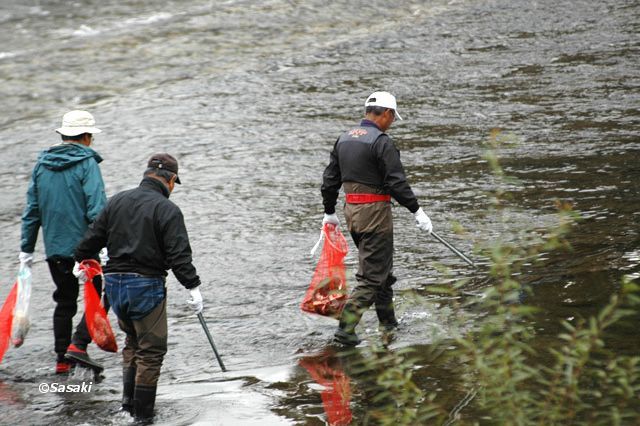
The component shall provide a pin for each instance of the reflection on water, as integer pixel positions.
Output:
(335, 391)
(250, 97)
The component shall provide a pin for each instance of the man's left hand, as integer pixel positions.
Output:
(422, 220)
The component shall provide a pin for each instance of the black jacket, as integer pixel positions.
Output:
(144, 233)
(366, 155)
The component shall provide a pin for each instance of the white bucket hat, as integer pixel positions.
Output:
(77, 122)
(383, 99)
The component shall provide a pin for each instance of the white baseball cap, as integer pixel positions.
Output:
(77, 122)
(383, 99)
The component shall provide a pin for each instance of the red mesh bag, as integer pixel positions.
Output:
(95, 315)
(327, 292)
(6, 319)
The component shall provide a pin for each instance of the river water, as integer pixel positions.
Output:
(249, 96)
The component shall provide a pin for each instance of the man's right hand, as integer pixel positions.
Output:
(104, 256)
(330, 218)
(26, 259)
(79, 273)
(195, 302)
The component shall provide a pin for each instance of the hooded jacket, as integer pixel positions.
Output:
(66, 193)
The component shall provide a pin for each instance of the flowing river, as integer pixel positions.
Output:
(250, 96)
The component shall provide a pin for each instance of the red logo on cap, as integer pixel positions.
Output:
(356, 133)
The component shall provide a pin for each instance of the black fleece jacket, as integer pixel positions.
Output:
(144, 233)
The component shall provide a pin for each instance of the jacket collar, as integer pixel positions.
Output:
(156, 185)
(369, 123)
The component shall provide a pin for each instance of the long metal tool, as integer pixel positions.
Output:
(453, 249)
(213, 346)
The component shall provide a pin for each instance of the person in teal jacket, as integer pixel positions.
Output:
(66, 193)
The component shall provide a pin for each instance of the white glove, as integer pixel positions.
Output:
(26, 259)
(330, 218)
(422, 221)
(195, 302)
(104, 256)
(79, 273)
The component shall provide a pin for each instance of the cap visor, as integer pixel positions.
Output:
(397, 115)
(178, 180)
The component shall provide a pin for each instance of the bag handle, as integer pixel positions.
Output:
(313, 250)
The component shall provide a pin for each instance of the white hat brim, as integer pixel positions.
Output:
(397, 115)
(75, 131)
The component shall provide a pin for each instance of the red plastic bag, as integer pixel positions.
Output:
(6, 319)
(95, 315)
(327, 292)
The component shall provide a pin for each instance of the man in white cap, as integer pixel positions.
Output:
(366, 162)
(65, 195)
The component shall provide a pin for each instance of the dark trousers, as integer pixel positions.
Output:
(140, 304)
(66, 298)
(375, 280)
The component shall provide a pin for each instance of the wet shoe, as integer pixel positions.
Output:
(63, 367)
(77, 355)
(347, 339)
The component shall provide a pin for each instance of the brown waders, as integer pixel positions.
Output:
(142, 356)
(141, 306)
(371, 227)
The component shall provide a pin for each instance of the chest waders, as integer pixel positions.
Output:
(369, 220)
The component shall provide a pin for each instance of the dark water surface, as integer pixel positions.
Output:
(250, 97)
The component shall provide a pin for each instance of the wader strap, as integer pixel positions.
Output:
(366, 198)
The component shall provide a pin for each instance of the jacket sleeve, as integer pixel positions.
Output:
(393, 171)
(331, 182)
(94, 239)
(178, 249)
(30, 217)
(93, 187)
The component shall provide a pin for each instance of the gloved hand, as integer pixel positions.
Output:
(422, 221)
(330, 218)
(26, 259)
(195, 302)
(79, 273)
(104, 256)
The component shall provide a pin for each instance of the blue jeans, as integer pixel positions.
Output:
(133, 296)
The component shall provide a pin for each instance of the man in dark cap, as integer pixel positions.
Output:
(367, 164)
(145, 235)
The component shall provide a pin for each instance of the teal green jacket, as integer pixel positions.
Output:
(65, 195)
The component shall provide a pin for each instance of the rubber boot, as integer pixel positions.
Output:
(346, 334)
(128, 385)
(387, 318)
(384, 306)
(144, 400)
